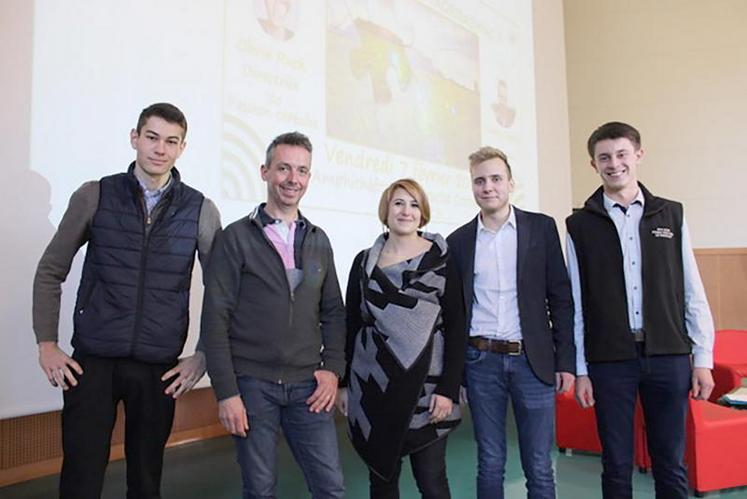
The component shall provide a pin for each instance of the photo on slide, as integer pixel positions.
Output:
(403, 79)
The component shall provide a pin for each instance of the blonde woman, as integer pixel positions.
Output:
(405, 348)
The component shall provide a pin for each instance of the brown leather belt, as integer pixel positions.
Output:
(496, 346)
(639, 335)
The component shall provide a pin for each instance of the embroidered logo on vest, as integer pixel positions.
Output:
(662, 232)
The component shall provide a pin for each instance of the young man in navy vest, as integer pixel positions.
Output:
(142, 228)
(642, 322)
(517, 300)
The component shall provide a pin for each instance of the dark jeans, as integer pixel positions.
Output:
(663, 383)
(429, 469)
(493, 378)
(312, 438)
(88, 417)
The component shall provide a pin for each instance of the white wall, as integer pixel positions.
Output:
(677, 71)
(553, 151)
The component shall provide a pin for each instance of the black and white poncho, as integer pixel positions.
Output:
(406, 340)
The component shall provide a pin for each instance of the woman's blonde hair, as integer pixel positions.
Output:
(413, 189)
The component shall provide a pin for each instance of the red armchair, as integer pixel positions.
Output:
(641, 457)
(729, 361)
(716, 435)
(716, 450)
(575, 428)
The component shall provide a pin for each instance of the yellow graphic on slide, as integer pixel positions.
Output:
(403, 79)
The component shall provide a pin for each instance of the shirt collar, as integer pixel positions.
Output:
(265, 219)
(154, 192)
(609, 203)
(510, 221)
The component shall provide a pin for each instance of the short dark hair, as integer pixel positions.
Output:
(486, 153)
(288, 139)
(167, 112)
(613, 130)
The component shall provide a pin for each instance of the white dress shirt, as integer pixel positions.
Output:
(495, 308)
(698, 319)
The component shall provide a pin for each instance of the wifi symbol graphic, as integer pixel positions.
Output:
(242, 154)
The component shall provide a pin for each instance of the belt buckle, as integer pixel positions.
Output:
(510, 343)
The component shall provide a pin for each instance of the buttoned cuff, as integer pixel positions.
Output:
(703, 359)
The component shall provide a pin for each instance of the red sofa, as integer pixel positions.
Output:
(729, 361)
(575, 428)
(716, 452)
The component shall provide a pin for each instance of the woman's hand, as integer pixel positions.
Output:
(440, 408)
(342, 401)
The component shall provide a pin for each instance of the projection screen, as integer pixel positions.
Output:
(384, 89)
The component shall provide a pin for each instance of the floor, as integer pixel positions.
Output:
(208, 470)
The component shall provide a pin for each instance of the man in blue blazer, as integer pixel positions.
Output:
(519, 310)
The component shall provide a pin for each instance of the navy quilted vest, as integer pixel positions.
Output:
(133, 298)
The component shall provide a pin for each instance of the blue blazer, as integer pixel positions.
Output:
(543, 287)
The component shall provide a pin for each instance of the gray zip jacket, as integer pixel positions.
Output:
(254, 324)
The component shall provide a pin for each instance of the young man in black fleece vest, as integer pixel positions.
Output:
(642, 322)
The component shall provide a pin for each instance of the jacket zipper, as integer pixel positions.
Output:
(291, 294)
(147, 230)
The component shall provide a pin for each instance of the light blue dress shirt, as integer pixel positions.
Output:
(698, 319)
(495, 310)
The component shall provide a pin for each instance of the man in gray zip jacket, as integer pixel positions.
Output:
(274, 331)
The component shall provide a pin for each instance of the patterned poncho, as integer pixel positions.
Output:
(397, 356)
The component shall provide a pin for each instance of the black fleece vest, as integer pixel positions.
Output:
(133, 298)
(607, 335)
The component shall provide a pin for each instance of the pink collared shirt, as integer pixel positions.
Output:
(283, 237)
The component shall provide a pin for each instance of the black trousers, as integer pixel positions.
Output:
(663, 384)
(429, 469)
(88, 416)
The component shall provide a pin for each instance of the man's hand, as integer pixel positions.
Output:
(342, 401)
(563, 381)
(188, 372)
(702, 383)
(584, 392)
(57, 365)
(323, 398)
(440, 408)
(232, 415)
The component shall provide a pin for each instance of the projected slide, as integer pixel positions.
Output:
(385, 89)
